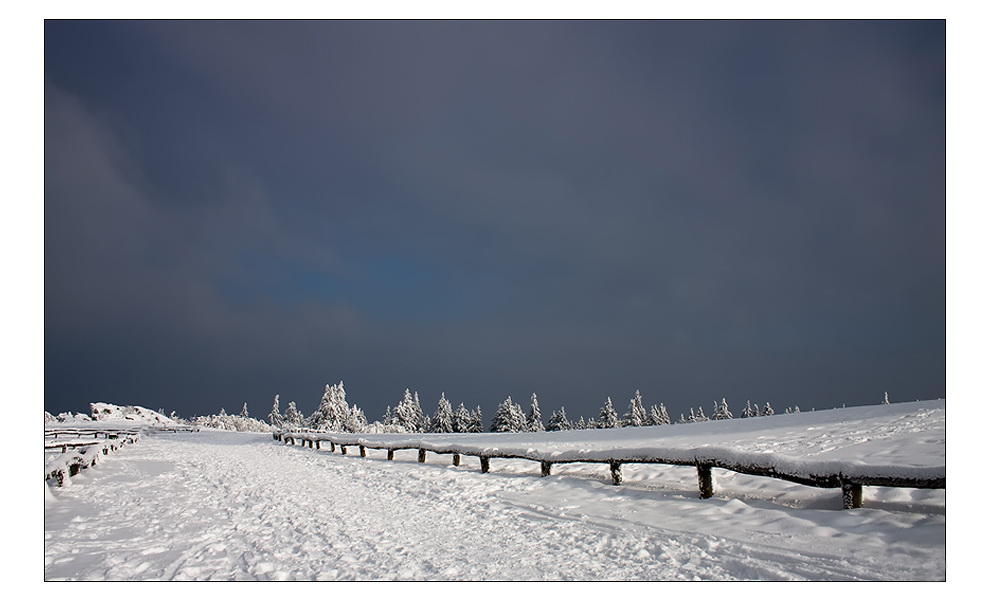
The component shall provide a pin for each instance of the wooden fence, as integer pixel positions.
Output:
(851, 485)
(78, 453)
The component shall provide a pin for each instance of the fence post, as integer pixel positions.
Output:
(705, 480)
(457, 459)
(317, 445)
(485, 465)
(391, 454)
(545, 468)
(852, 495)
(616, 468)
(343, 450)
(422, 455)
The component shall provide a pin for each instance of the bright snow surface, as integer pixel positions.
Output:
(214, 505)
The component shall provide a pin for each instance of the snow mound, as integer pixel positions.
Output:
(130, 413)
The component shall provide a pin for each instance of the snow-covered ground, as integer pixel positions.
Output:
(215, 505)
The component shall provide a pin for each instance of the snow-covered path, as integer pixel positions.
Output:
(239, 506)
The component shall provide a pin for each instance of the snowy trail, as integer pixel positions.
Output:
(238, 506)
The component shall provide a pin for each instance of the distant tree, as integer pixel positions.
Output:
(443, 419)
(477, 424)
(244, 411)
(558, 421)
(332, 414)
(388, 418)
(685, 420)
(700, 416)
(636, 415)
(767, 409)
(658, 415)
(750, 410)
(409, 413)
(721, 410)
(355, 420)
(293, 419)
(581, 424)
(275, 418)
(509, 417)
(462, 419)
(607, 418)
(886, 399)
(534, 420)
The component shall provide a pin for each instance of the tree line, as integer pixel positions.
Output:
(334, 415)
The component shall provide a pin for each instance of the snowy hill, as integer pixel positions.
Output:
(134, 415)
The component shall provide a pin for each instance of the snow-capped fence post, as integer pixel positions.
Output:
(616, 468)
(457, 459)
(485, 465)
(317, 444)
(391, 454)
(364, 450)
(343, 450)
(545, 468)
(705, 480)
(333, 447)
(422, 455)
(852, 495)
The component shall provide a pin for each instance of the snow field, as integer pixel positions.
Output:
(240, 506)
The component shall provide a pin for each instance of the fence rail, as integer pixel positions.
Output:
(850, 484)
(79, 454)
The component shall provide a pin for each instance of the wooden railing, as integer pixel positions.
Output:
(824, 475)
(78, 453)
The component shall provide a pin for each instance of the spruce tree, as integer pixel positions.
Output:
(636, 415)
(275, 418)
(443, 419)
(534, 420)
(581, 424)
(293, 419)
(658, 415)
(607, 418)
(749, 411)
(722, 410)
(767, 409)
(244, 411)
(886, 399)
(558, 421)
(502, 421)
(462, 419)
(477, 425)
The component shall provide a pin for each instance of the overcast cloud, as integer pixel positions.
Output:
(234, 210)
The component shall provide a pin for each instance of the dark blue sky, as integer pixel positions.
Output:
(751, 210)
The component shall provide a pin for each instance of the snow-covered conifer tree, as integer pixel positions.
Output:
(659, 416)
(767, 409)
(558, 421)
(749, 411)
(721, 410)
(476, 423)
(636, 415)
(607, 417)
(886, 399)
(700, 416)
(355, 421)
(443, 419)
(534, 420)
(409, 413)
(581, 424)
(462, 419)
(292, 418)
(244, 411)
(275, 418)
(502, 419)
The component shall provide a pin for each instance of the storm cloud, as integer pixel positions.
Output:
(751, 210)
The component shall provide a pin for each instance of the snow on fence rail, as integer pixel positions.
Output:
(848, 477)
(79, 453)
